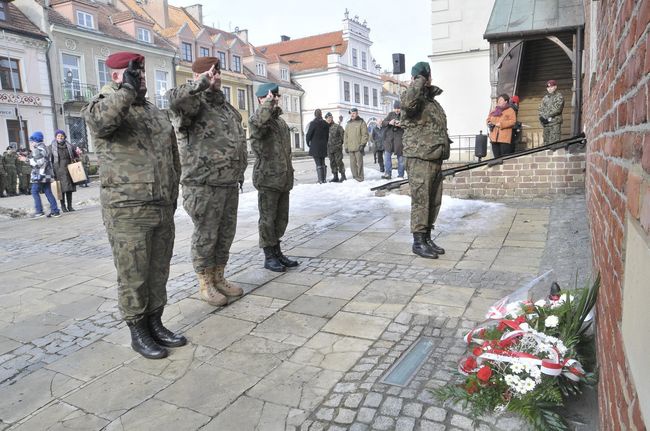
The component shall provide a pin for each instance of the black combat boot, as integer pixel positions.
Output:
(68, 197)
(421, 248)
(319, 174)
(271, 260)
(335, 178)
(343, 177)
(63, 207)
(324, 173)
(162, 335)
(284, 260)
(434, 247)
(143, 343)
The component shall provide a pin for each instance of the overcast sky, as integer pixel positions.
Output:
(395, 26)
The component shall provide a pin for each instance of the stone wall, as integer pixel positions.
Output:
(535, 175)
(615, 113)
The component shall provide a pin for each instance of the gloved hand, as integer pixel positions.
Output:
(132, 75)
(543, 120)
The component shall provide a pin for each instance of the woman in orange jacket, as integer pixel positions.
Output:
(500, 122)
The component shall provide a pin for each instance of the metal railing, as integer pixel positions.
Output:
(462, 149)
(77, 92)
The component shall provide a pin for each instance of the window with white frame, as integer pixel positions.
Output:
(355, 60)
(9, 74)
(296, 140)
(236, 63)
(241, 98)
(222, 60)
(260, 69)
(364, 60)
(103, 73)
(295, 104)
(162, 85)
(144, 35)
(286, 103)
(366, 96)
(186, 51)
(284, 74)
(346, 91)
(204, 52)
(226, 93)
(357, 94)
(3, 11)
(84, 19)
(375, 101)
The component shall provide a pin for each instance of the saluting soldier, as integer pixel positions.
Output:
(550, 113)
(139, 174)
(426, 145)
(335, 149)
(212, 146)
(272, 175)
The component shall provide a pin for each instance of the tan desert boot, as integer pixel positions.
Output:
(223, 285)
(207, 290)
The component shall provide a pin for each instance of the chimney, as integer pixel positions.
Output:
(284, 38)
(242, 34)
(158, 10)
(196, 10)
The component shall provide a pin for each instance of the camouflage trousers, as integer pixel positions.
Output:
(425, 181)
(142, 240)
(274, 216)
(336, 162)
(552, 133)
(24, 183)
(11, 181)
(356, 165)
(214, 213)
(3, 183)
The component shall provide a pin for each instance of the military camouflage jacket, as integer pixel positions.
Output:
(2, 167)
(10, 162)
(271, 143)
(424, 122)
(551, 107)
(136, 149)
(335, 140)
(211, 139)
(356, 135)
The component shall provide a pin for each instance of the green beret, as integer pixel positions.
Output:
(264, 89)
(421, 68)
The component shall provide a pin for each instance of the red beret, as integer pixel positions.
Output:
(120, 60)
(203, 64)
(551, 83)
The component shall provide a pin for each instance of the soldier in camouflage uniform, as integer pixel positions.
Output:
(272, 175)
(550, 113)
(139, 174)
(3, 176)
(335, 149)
(24, 172)
(12, 173)
(426, 145)
(212, 146)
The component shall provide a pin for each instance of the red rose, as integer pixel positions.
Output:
(469, 365)
(477, 351)
(484, 373)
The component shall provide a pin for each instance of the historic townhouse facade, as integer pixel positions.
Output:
(83, 33)
(336, 71)
(25, 90)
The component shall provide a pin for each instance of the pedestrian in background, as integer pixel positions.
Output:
(377, 138)
(3, 176)
(335, 149)
(550, 113)
(85, 160)
(393, 133)
(63, 153)
(213, 154)
(139, 174)
(272, 175)
(426, 145)
(354, 142)
(41, 176)
(500, 122)
(10, 159)
(517, 129)
(317, 135)
(24, 172)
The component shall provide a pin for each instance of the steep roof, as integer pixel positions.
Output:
(105, 26)
(127, 15)
(307, 53)
(18, 22)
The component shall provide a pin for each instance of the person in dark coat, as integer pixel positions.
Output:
(63, 153)
(393, 132)
(377, 138)
(317, 136)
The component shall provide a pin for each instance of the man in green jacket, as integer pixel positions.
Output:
(335, 149)
(212, 146)
(354, 142)
(550, 113)
(12, 173)
(272, 175)
(426, 145)
(3, 176)
(139, 173)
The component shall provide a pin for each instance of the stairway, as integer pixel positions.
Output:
(543, 60)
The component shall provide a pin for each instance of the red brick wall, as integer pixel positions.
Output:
(615, 117)
(536, 175)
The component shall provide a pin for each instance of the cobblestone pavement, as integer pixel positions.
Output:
(302, 350)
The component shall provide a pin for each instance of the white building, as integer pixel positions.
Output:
(460, 62)
(336, 71)
(25, 91)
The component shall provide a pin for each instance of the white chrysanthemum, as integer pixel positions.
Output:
(551, 321)
(528, 385)
(516, 368)
(512, 380)
(534, 372)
